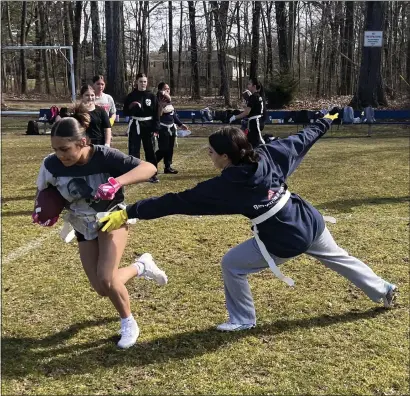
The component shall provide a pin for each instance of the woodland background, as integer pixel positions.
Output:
(299, 49)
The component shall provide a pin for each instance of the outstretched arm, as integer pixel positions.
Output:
(206, 198)
(289, 152)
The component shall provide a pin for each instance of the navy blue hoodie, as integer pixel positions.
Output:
(251, 190)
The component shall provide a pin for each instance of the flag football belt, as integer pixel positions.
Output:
(254, 117)
(168, 126)
(260, 219)
(137, 121)
(86, 225)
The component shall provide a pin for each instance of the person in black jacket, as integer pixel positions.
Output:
(142, 106)
(255, 111)
(253, 183)
(168, 118)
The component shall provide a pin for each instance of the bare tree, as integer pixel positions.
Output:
(347, 45)
(180, 47)
(370, 90)
(76, 28)
(96, 38)
(280, 11)
(220, 12)
(171, 48)
(208, 20)
(194, 52)
(255, 39)
(23, 70)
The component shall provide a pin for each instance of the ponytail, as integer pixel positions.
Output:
(74, 125)
(234, 143)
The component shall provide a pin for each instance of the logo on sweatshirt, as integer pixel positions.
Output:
(148, 102)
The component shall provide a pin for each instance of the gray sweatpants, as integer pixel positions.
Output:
(246, 258)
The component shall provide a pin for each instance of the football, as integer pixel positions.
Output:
(49, 204)
(164, 97)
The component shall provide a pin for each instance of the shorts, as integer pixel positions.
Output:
(80, 237)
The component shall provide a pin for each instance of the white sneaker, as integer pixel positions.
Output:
(129, 334)
(234, 326)
(151, 271)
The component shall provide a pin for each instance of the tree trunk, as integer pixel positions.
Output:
(194, 52)
(180, 47)
(346, 83)
(23, 69)
(43, 41)
(171, 48)
(370, 86)
(76, 28)
(269, 43)
(220, 13)
(84, 42)
(208, 20)
(109, 46)
(96, 38)
(117, 58)
(280, 12)
(38, 85)
(241, 63)
(256, 18)
(291, 30)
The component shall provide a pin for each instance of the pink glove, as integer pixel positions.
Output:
(107, 191)
(48, 223)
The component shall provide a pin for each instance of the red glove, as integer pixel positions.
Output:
(107, 191)
(48, 223)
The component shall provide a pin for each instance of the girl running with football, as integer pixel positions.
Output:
(91, 178)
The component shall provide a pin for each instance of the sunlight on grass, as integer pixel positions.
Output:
(324, 337)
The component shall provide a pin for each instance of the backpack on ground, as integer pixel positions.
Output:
(32, 128)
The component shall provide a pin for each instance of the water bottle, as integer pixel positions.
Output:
(127, 119)
(193, 117)
(117, 118)
(270, 120)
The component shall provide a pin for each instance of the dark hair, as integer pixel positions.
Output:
(261, 91)
(161, 85)
(74, 126)
(96, 78)
(86, 88)
(234, 143)
(246, 94)
(139, 75)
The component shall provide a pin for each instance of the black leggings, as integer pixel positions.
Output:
(134, 144)
(255, 129)
(166, 142)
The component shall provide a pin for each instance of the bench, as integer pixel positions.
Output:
(189, 117)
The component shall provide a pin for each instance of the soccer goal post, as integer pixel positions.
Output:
(51, 47)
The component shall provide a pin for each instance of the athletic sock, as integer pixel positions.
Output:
(127, 320)
(140, 267)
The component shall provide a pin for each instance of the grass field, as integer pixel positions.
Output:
(322, 338)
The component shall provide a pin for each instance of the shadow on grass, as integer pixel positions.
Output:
(346, 204)
(13, 199)
(16, 213)
(50, 356)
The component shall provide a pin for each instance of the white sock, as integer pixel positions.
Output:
(140, 267)
(127, 320)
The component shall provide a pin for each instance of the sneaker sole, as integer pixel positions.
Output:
(240, 328)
